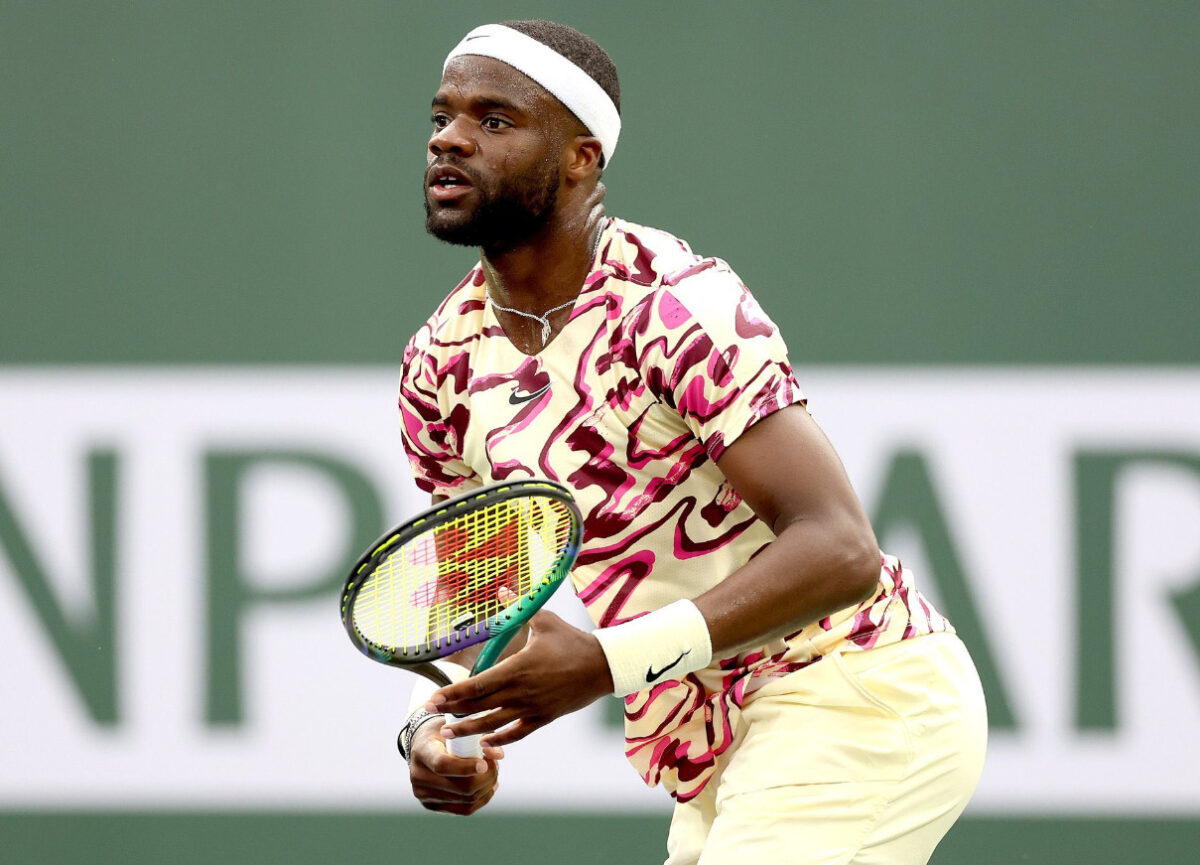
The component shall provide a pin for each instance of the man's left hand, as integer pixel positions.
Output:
(560, 670)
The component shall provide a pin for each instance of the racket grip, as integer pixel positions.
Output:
(463, 746)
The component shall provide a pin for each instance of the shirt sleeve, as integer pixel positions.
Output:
(432, 423)
(710, 352)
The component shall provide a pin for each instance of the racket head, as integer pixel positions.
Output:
(432, 585)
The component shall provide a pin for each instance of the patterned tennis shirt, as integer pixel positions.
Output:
(665, 361)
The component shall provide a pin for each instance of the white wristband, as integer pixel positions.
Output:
(666, 644)
(423, 688)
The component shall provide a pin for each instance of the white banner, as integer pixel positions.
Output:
(171, 543)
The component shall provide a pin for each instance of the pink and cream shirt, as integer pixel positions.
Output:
(665, 361)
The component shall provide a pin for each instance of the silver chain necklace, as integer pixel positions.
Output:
(544, 318)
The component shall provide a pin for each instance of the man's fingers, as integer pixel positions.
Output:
(476, 688)
(448, 766)
(512, 733)
(486, 723)
(434, 757)
(486, 690)
(463, 808)
(444, 795)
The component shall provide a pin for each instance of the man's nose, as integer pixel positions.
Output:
(452, 138)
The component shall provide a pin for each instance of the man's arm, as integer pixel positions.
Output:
(824, 558)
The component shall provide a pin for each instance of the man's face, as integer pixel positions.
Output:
(493, 162)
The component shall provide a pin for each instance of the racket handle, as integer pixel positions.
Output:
(463, 746)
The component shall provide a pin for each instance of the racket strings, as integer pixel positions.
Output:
(451, 577)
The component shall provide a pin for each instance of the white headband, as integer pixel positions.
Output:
(568, 83)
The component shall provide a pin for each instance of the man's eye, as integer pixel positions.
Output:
(440, 121)
(493, 123)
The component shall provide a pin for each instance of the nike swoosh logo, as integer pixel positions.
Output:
(515, 398)
(651, 675)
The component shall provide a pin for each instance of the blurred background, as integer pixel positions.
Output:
(978, 227)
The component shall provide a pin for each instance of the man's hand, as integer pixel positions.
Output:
(560, 670)
(443, 782)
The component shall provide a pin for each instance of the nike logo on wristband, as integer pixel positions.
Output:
(651, 675)
(515, 398)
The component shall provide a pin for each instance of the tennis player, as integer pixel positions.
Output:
(783, 680)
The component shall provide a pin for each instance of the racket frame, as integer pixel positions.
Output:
(497, 629)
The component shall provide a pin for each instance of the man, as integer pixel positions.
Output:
(782, 679)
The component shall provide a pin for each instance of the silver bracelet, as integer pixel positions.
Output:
(414, 722)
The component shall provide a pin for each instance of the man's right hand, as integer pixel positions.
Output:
(443, 782)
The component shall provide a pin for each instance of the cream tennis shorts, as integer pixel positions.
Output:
(863, 757)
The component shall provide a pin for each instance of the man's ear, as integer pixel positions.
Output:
(582, 158)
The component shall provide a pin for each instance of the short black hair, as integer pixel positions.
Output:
(581, 49)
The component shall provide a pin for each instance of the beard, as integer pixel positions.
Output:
(507, 212)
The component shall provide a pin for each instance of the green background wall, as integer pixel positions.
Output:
(900, 183)
(223, 182)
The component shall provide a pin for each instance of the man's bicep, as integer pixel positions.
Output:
(787, 470)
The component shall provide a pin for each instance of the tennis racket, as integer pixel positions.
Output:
(434, 584)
